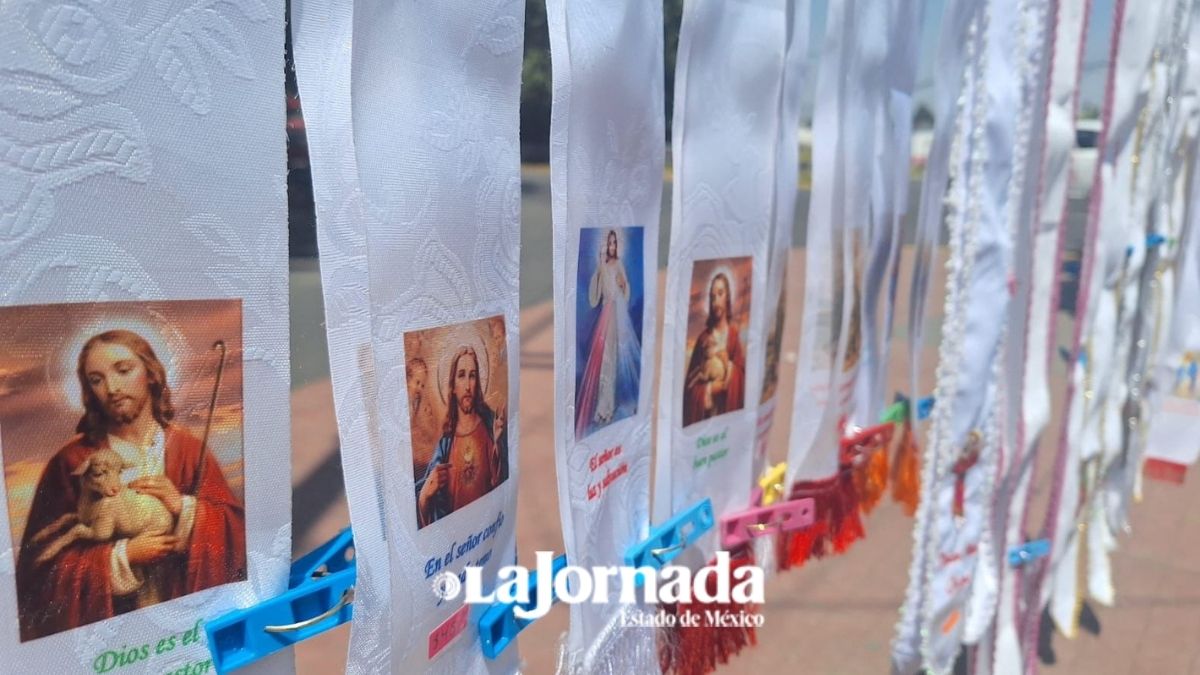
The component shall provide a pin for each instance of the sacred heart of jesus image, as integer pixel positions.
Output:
(121, 436)
(457, 378)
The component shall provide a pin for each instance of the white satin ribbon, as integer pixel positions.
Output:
(951, 74)
(729, 74)
(787, 170)
(889, 197)
(1095, 421)
(142, 159)
(438, 172)
(1032, 70)
(838, 234)
(1036, 309)
(1175, 405)
(322, 34)
(1172, 407)
(1165, 188)
(965, 441)
(606, 159)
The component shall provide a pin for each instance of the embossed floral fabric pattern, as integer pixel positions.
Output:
(730, 71)
(438, 169)
(606, 158)
(142, 158)
(322, 44)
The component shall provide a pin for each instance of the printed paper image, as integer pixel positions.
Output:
(1185, 384)
(774, 346)
(854, 337)
(458, 407)
(718, 316)
(121, 437)
(608, 326)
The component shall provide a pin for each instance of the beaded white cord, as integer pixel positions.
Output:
(1031, 22)
(963, 230)
(911, 611)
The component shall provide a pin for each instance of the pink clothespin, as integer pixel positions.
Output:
(741, 527)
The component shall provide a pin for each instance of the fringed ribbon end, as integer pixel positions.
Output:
(906, 473)
(698, 647)
(871, 479)
(838, 523)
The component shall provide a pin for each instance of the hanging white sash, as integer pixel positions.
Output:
(1171, 446)
(965, 439)
(957, 52)
(854, 51)
(144, 293)
(606, 157)
(729, 73)
(322, 46)
(1171, 400)
(1165, 188)
(438, 171)
(1030, 86)
(787, 170)
(889, 197)
(1107, 297)
(1037, 307)
(1175, 338)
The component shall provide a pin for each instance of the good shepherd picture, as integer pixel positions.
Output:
(608, 327)
(121, 429)
(718, 315)
(458, 407)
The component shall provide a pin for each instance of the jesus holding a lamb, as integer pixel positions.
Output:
(66, 583)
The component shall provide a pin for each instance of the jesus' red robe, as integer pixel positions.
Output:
(733, 398)
(75, 588)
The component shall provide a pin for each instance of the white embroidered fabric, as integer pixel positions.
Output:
(142, 159)
(439, 171)
(606, 160)
(729, 74)
(322, 35)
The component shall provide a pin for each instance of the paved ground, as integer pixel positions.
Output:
(834, 616)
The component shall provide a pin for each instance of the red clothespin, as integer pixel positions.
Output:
(864, 442)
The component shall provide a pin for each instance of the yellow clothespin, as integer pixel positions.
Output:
(771, 483)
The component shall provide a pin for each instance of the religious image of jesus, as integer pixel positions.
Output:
(471, 457)
(127, 410)
(715, 377)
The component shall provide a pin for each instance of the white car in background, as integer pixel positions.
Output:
(1083, 158)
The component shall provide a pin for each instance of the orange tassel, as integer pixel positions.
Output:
(699, 649)
(906, 473)
(871, 479)
(836, 525)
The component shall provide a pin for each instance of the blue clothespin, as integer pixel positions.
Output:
(1153, 240)
(668, 540)
(1028, 552)
(319, 596)
(925, 407)
(499, 625)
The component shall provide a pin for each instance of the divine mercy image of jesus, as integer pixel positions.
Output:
(718, 315)
(608, 326)
(467, 455)
(122, 444)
